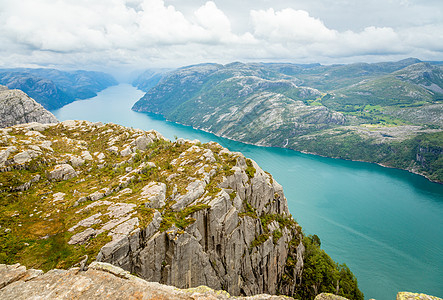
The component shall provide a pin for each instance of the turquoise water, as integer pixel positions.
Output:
(385, 224)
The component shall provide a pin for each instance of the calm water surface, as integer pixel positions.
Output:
(385, 224)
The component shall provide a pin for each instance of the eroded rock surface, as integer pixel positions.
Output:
(16, 108)
(415, 296)
(180, 213)
(100, 281)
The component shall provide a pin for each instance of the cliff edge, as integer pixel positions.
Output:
(180, 213)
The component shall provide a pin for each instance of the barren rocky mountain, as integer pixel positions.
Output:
(16, 108)
(180, 213)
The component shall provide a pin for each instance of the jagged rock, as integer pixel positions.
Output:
(4, 154)
(61, 172)
(99, 281)
(25, 186)
(12, 273)
(58, 197)
(113, 149)
(125, 152)
(415, 296)
(24, 157)
(216, 250)
(328, 296)
(96, 196)
(82, 237)
(125, 228)
(142, 142)
(195, 190)
(155, 193)
(16, 107)
(77, 161)
(186, 214)
(88, 222)
(86, 155)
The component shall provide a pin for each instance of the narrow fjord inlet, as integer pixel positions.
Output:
(384, 223)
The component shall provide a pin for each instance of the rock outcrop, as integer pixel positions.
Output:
(16, 108)
(225, 247)
(105, 281)
(415, 296)
(328, 296)
(180, 213)
(100, 281)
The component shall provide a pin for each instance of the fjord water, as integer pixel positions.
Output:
(385, 224)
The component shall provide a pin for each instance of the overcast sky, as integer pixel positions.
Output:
(117, 34)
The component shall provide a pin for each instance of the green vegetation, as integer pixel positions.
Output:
(55, 88)
(181, 218)
(250, 170)
(34, 227)
(259, 240)
(48, 224)
(320, 274)
(422, 153)
(249, 210)
(325, 110)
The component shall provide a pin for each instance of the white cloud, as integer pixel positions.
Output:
(152, 32)
(289, 25)
(214, 20)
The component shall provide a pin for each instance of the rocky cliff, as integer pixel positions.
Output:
(16, 107)
(180, 213)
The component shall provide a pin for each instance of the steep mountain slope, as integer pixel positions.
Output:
(180, 213)
(414, 85)
(373, 112)
(149, 78)
(54, 88)
(16, 108)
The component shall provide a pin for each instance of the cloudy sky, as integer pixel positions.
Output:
(116, 34)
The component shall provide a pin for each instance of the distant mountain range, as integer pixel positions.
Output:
(389, 113)
(54, 88)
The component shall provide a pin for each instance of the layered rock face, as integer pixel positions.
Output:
(181, 213)
(226, 247)
(16, 108)
(100, 281)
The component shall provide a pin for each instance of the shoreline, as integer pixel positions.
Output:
(300, 151)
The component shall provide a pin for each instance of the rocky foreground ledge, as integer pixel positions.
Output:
(100, 281)
(105, 281)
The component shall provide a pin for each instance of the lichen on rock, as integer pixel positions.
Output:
(181, 213)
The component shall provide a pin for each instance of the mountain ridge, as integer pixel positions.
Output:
(384, 118)
(54, 88)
